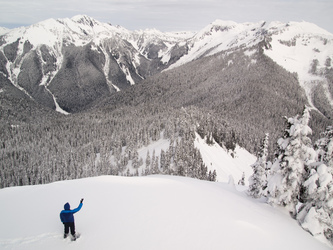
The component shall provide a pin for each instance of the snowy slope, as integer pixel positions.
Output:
(310, 42)
(3, 30)
(227, 164)
(295, 46)
(78, 31)
(221, 36)
(155, 212)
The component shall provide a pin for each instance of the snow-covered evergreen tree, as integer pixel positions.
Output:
(242, 180)
(135, 161)
(258, 180)
(148, 159)
(316, 213)
(153, 159)
(156, 169)
(325, 148)
(212, 176)
(162, 160)
(295, 152)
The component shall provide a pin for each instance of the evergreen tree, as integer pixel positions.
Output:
(152, 163)
(325, 148)
(288, 170)
(242, 180)
(135, 161)
(316, 213)
(155, 166)
(213, 176)
(201, 171)
(148, 159)
(180, 167)
(258, 180)
(163, 160)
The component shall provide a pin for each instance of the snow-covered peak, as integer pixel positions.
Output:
(46, 32)
(86, 20)
(216, 26)
(303, 48)
(219, 22)
(224, 35)
(3, 30)
(154, 34)
(222, 24)
(298, 28)
(79, 30)
(220, 36)
(150, 31)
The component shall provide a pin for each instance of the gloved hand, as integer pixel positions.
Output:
(81, 200)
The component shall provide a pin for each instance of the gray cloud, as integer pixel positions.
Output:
(168, 15)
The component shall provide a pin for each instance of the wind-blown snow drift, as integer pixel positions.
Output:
(156, 212)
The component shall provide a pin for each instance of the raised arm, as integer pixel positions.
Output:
(78, 208)
(74, 210)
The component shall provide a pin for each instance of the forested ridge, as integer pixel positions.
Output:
(91, 144)
(233, 98)
(251, 94)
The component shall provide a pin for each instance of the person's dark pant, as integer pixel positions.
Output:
(69, 225)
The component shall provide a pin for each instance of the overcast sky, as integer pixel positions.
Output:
(168, 15)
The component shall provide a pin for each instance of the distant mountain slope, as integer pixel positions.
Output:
(71, 62)
(306, 49)
(248, 92)
(17, 108)
(299, 47)
(66, 64)
(3, 30)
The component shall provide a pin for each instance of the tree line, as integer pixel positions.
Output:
(300, 176)
(99, 143)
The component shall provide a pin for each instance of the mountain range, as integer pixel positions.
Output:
(235, 81)
(67, 64)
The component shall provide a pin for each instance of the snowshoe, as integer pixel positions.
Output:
(75, 236)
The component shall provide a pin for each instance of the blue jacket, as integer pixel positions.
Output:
(67, 214)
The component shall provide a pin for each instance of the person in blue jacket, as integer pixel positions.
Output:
(67, 218)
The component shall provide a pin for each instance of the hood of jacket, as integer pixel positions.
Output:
(67, 206)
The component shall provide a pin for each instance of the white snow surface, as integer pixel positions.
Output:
(220, 36)
(3, 30)
(309, 43)
(155, 212)
(226, 163)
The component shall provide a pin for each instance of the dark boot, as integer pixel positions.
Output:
(65, 236)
